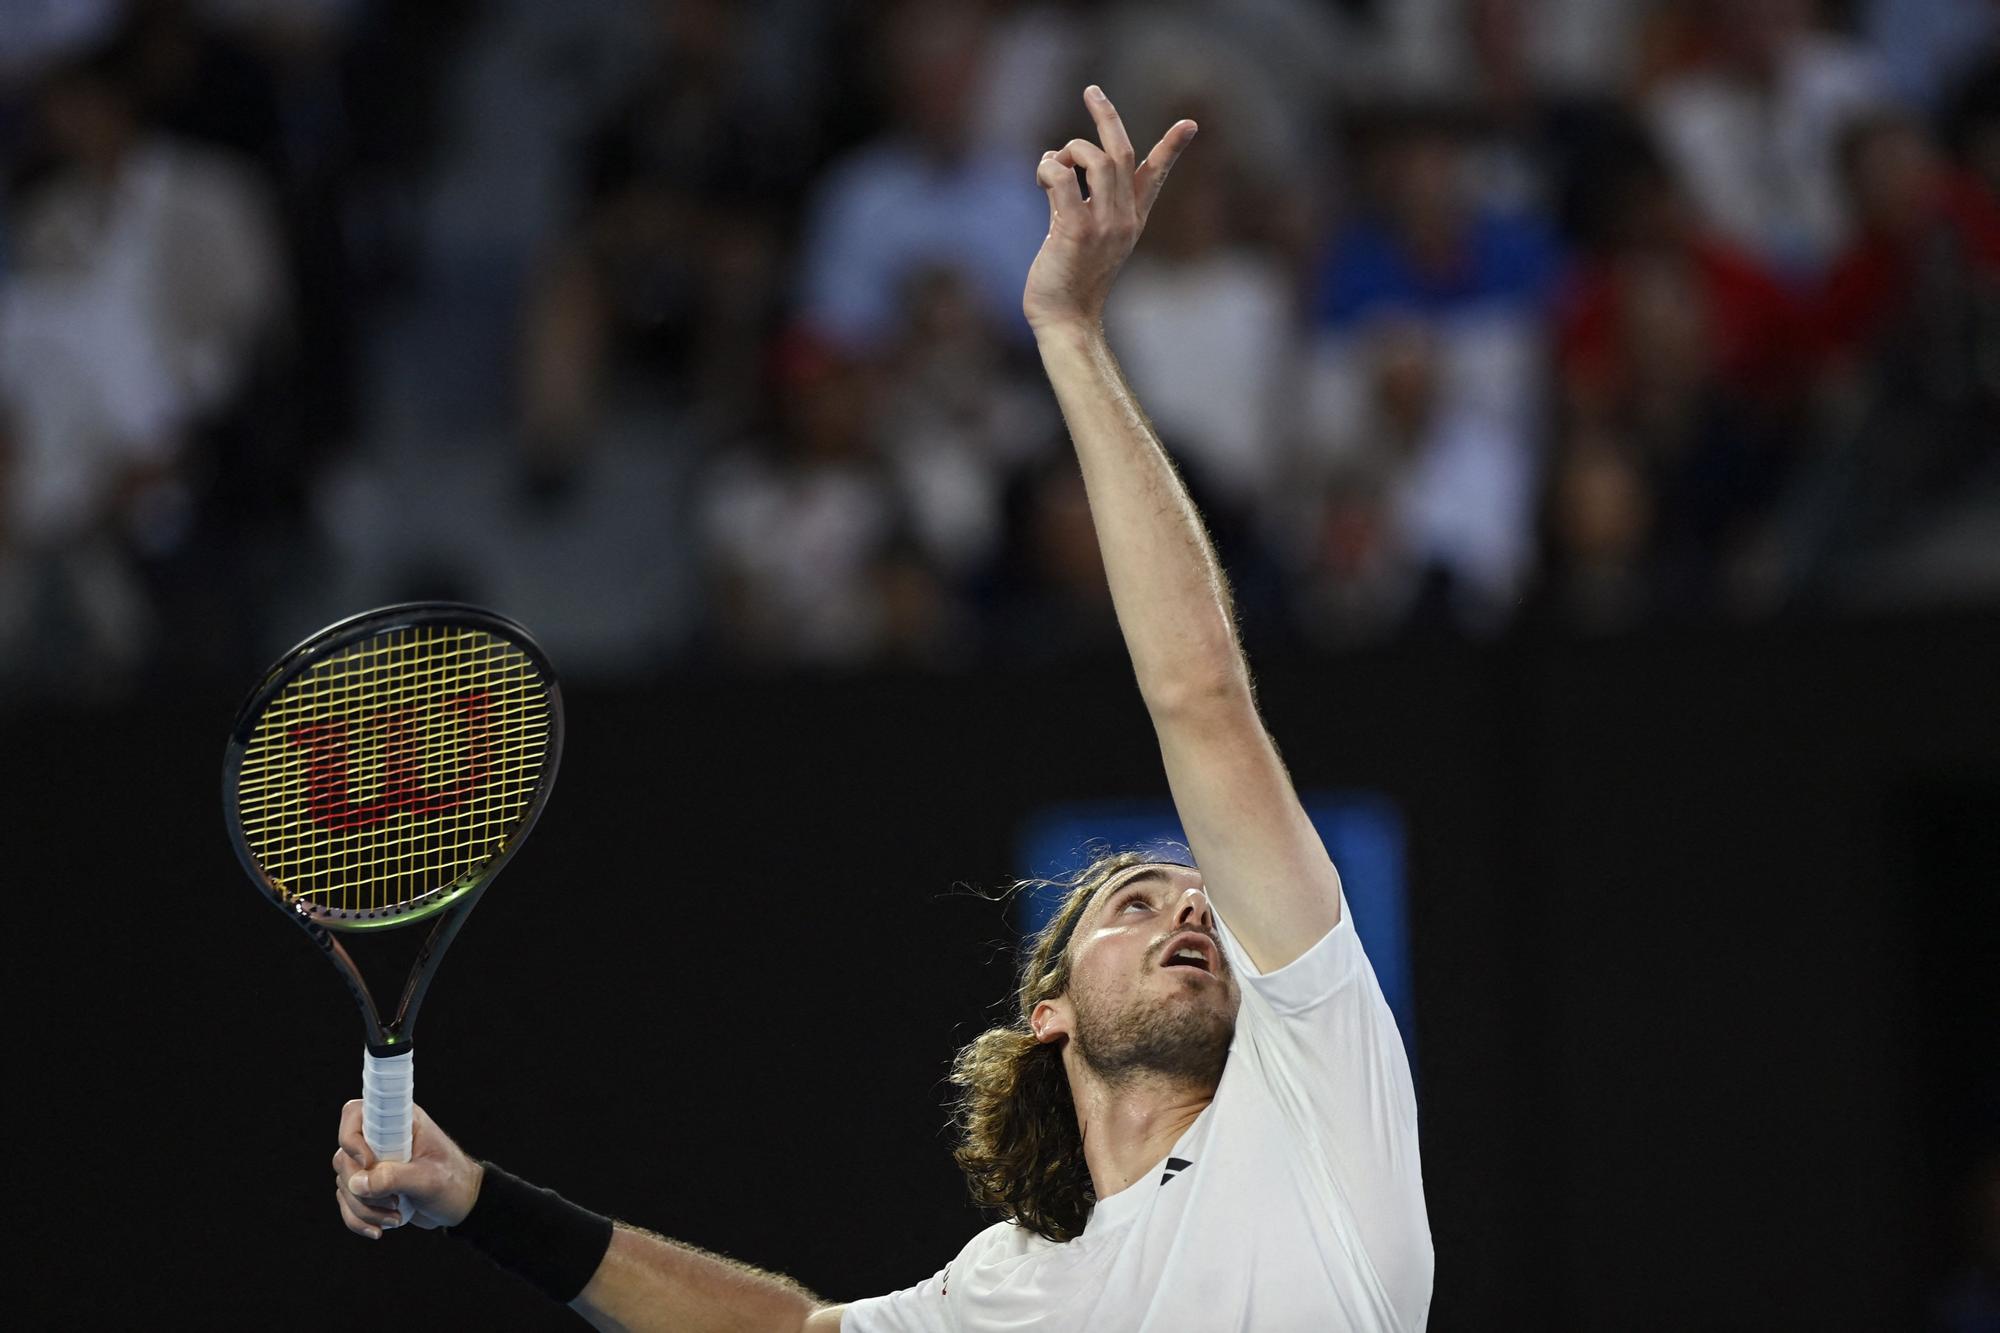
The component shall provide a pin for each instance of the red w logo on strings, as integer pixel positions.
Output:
(402, 790)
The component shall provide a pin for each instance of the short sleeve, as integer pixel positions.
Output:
(918, 1309)
(1319, 1033)
(1332, 966)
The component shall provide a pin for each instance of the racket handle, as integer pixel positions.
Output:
(388, 1115)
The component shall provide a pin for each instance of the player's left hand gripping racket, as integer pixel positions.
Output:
(380, 776)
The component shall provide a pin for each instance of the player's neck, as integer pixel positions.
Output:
(1128, 1126)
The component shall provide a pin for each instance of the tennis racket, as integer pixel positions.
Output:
(379, 777)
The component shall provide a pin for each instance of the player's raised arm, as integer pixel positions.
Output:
(1263, 863)
(615, 1276)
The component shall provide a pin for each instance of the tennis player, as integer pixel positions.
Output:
(1203, 1119)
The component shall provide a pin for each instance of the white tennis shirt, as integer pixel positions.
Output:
(1295, 1201)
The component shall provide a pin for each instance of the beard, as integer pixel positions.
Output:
(1182, 1041)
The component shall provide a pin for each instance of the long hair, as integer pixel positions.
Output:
(1019, 1142)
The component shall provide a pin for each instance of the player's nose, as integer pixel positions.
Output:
(1192, 912)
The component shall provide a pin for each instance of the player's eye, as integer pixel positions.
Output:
(1133, 902)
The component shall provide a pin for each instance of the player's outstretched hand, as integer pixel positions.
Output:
(1089, 239)
(439, 1180)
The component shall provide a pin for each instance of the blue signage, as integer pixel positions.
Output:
(1362, 832)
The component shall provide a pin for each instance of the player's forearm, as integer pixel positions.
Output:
(650, 1282)
(1170, 594)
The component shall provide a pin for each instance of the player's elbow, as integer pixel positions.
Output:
(1222, 693)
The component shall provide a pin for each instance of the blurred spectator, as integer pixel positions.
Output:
(267, 80)
(1419, 508)
(1255, 75)
(38, 34)
(1347, 583)
(1911, 322)
(1424, 242)
(1424, 388)
(1913, 212)
(1572, 51)
(1752, 128)
(809, 542)
(1038, 54)
(1771, 362)
(1972, 124)
(669, 274)
(1051, 601)
(1206, 328)
(1755, 330)
(1682, 362)
(962, 412)
(1926, 47)
(924, 194)
(1600, 517)
(146, 287)
(1501, 52)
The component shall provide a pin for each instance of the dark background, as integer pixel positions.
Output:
(1701, 926)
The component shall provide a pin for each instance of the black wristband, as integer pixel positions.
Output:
(535, 1234)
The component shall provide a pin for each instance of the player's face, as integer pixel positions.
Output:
(1150, 990)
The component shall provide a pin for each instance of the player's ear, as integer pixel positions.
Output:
(1052, 1020)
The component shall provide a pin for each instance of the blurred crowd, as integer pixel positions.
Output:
(1462, 317)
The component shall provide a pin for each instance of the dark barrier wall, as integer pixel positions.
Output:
(1681, 909)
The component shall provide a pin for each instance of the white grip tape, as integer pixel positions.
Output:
(388, 1101)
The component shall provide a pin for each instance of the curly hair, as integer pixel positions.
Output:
(1019, 1143)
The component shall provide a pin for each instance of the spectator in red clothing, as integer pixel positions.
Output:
(1681, 364)
(1909, 324)
(1914, 211)
(1752, 328)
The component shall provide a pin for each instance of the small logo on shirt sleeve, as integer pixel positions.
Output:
(1175, 1165)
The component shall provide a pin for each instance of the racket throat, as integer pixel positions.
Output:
(381, 1036)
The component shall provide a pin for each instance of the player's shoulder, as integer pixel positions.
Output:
(1324, 969)
(1001, 1243)
(1000, 1253)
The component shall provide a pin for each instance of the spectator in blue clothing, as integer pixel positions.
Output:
(1425, 383)
(925, 195)
(1421, 242)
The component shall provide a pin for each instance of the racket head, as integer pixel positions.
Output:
(385, 769)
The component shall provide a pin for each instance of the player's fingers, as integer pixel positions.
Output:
(1098, 171)
(379, 1181)
(352, 1142)
(1110, 129)
(383, 1181)
(359, 1225)
(1059, 183)
(1152, 173)
(382, 1212)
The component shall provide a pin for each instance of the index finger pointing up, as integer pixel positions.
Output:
(1152, 173)
(1110, 129)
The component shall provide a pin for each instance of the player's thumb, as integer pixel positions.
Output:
(386, 1178)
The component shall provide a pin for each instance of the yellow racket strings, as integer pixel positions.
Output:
(378, 778)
